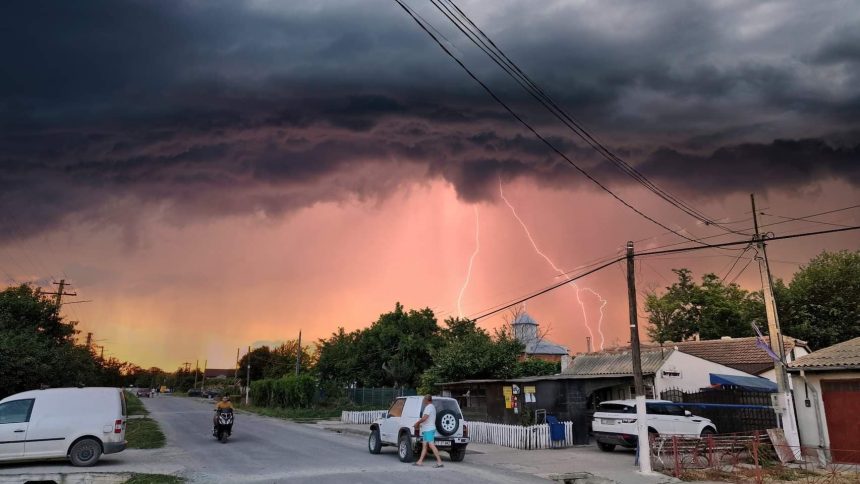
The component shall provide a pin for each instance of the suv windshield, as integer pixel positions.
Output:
(615, 408)
(445, 404)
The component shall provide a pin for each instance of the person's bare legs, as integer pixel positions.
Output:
(423, 453)
(435, 452)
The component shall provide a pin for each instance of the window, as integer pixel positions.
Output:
(16, 411)
(615, 408)
(396, 409)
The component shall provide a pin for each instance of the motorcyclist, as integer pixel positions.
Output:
(223, 404)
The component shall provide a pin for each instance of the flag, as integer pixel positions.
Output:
(759, 341)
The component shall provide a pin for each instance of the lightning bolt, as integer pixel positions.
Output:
(561, 273)
(471, 262)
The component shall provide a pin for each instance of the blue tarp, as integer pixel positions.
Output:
(754, 383)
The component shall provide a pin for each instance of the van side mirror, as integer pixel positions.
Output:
(687, 413)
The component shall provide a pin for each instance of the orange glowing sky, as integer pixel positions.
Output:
(214, 175)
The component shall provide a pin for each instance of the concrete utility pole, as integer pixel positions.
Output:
(248, 378)
(785, 404)
(644, 447)
(58, 296)
(299, 353)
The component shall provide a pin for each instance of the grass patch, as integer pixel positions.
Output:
(154, 479)
(143, 433)
(133, 405)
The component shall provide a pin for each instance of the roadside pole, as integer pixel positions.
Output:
(785, 403)
(203, 381)
(196, 371)
(643, 445)
(248, 378)
(299, 354)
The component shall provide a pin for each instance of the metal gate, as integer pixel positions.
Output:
(841, 404)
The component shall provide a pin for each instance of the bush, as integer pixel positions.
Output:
(289, 391)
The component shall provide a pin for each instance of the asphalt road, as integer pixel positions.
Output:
(270, 450)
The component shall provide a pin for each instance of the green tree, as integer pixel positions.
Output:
(821, 305)
(712, 309)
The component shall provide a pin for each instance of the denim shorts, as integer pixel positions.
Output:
(429, 435)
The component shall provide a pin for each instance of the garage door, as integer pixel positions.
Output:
(841, 402)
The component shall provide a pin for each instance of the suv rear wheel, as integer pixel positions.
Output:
(457, 454)
(404, 447)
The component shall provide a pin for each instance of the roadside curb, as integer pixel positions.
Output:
(68, 478)
(342, 429)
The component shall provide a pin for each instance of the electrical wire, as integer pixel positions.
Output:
(528, 126)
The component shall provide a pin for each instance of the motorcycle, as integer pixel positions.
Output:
(223, 424)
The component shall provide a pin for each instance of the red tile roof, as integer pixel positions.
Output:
(738, 353)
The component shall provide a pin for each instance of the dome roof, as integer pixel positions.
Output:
(524, 318)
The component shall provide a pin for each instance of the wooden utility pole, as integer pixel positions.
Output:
(196, 371)
(236, 376)
(248, 378)
(643, 448)
(299, 353)
(58, 296)
(89, 339)
(785, 406)
(203, 380)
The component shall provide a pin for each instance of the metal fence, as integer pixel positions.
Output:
(731, 409)
(378, 397)
(517, 437)
(365, 417)
(752, 457)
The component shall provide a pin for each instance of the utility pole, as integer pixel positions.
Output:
(196, 370)
(588, 344)
(236, 376)
(248, 378)
(299, 353)
(89, 339)
(203, 382)
(58, 296)
(643, 445)
(785, 406)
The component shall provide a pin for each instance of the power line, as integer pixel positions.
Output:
(735, 263)
(486, 45)
(528, 126)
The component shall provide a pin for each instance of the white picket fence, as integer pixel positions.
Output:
(365, 417)
(526, 438)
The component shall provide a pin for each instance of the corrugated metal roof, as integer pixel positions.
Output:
(544, 347)
(841, 355)
(615, 363)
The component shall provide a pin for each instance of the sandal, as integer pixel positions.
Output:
(438, 466)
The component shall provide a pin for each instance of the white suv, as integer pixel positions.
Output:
(615, 422)
(397, 428)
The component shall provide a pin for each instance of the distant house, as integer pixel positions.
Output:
(526, 330)
(739, 353)
(218, 373)
(827, 400)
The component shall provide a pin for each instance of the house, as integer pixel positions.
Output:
(827, 400)
(590, 379)
(739, 353)
(527, 331)
(219, 373)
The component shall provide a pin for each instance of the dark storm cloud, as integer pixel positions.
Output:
(221, 108)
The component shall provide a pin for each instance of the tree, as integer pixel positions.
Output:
(821, 305)
(712, 309)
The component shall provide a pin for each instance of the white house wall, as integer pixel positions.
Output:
(695, 373)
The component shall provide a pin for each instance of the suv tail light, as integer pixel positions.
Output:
(628, 420)
(465, 429)
(117, 427)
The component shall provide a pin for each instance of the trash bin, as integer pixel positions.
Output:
(556, 431)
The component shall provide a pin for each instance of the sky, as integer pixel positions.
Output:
(214, 175)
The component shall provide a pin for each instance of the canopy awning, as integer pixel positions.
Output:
(754, 383)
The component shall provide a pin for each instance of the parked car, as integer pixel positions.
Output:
(194, 392)
(144, 392)
(79, 424)
(614, 422)
(397, 428)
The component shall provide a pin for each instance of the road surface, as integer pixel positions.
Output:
(269, 450)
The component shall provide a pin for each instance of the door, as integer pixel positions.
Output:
(841, 401)
(14, 418)
(682, 424)
(391, 425)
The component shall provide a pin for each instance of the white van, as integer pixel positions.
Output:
(80, 424)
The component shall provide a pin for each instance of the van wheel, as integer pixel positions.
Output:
(373, 442)
(457, 454)
(606, 447)
(85, 453)
(404, 448)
